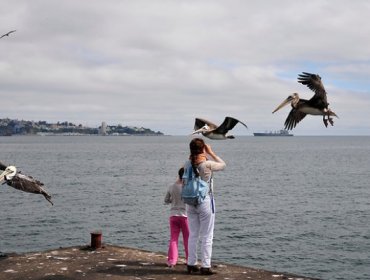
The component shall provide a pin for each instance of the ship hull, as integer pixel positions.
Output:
(276, 133)
(270, 134)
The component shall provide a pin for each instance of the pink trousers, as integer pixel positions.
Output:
(177, 224)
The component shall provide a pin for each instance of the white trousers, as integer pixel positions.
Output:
(201, 225)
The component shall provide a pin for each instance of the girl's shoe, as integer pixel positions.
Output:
(192, 269)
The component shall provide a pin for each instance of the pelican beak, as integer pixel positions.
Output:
(197, 131)
(2, 175)
(284, 103)
(201, 130)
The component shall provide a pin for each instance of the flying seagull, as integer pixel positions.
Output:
(22, 182)
(213, 131)
(7, 34)
(317, 105)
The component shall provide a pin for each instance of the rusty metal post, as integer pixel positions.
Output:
(96, 238)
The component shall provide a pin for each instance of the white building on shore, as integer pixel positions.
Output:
(103, 129)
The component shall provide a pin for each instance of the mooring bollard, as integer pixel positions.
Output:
(96, 237)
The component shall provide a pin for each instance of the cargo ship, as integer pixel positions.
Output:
(282, 132)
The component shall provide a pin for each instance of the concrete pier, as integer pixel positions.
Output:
(114, 263)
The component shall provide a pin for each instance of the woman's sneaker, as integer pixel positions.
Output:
(206, 271)
(192, 269)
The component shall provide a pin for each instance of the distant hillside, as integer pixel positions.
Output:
(21, 127)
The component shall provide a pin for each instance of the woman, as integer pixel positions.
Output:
(201, 218)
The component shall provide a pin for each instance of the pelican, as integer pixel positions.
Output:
(22, 182)
(215, 132)
(7, 34)
(317, 105)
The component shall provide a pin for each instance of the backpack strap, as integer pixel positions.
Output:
(188, 174)
(210, 182)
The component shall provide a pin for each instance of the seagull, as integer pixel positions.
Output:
(215, 132)
(22, 182)
(7, 34)
(317, 105)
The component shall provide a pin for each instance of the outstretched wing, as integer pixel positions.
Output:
(293, 119)
(199, 123)
(28, 184)
(313, 82)
(7, 34)
(228, 124)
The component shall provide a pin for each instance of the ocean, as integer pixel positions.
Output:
(287, 204)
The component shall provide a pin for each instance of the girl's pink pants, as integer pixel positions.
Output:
(177, 224)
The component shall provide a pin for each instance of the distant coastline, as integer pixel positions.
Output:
(9, 127)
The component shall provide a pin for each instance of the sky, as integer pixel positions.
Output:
(160, 64)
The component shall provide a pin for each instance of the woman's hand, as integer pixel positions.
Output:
(208, 150)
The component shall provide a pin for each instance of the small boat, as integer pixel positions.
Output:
(282, 132)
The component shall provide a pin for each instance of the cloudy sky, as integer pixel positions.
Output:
(161, 63)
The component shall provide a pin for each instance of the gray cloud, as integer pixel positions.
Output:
(159, 64)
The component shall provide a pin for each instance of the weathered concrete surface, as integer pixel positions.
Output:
(112, 262)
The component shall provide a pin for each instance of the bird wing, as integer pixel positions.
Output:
(25, 183)
(313, 82)
(28, 184)
(228, 124)
(199, 123)
(294, 117)
(7, 34)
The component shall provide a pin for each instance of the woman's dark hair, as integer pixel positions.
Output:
(196, 147)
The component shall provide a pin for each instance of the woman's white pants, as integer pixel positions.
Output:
(201, 225)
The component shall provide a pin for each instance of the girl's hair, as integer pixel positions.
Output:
(196, 147)
(181, 172)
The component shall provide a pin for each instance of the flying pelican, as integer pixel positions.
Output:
(22, 182)
(215, 132)
(7, 34)
(317, 105)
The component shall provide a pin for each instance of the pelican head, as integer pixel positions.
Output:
(203, 129)
(293, 99)
(8, 173)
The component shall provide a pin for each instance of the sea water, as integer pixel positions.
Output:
(286, 204)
